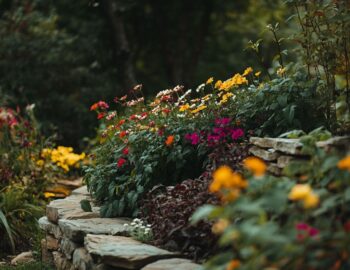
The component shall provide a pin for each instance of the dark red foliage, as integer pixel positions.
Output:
(168, 210)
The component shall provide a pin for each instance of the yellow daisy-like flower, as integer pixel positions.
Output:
(257, 74)
(247, 71)
(210, 80)
(227, 184)
(200, 108)
(255, 165)
(184, 107)
(344, 164)
(311, 200)
(40, 162)
(218, 84)
(300, 192)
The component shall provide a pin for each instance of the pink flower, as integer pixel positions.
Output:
(222, 121)
(313, 231)
(237, 133)
(302, 226)
(126, 151)
(193, 137)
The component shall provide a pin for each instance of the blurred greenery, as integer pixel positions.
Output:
(64, 55)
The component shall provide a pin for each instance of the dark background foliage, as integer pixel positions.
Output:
(64, 55)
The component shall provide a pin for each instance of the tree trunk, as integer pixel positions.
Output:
(122, 53)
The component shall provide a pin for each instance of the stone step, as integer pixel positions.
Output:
(124, 252)
(50, 227)
(173, 264)
(76, 230)
(69, 208)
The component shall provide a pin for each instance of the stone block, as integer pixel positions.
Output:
(124, 252)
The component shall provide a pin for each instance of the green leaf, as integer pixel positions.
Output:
(85, 205)
(3, 220)
(206, 211)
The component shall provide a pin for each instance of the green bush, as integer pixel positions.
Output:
(294, 222)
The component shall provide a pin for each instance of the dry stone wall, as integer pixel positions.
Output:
(279, 152)
(84, 241)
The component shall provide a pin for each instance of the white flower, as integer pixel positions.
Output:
(126, 225)
(200, 87)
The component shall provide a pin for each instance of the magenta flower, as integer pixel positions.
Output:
(193, 137)
(237, 133)
(222, 121)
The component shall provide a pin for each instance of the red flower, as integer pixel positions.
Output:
(126, 151)
(166, 111)
(133, 117)
(101, 115)
(121, 122)
(122, 134)
(99, 105)
(121, 162)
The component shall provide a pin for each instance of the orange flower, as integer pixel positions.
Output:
(220, 226)
(255, 165)
(122, 134)
(344, 164)
(233, 264)
(170, 140)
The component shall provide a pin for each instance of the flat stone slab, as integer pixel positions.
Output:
(173, 264)
(268, 155)
(50, 227)
(69, 208)
(262, 142)
(124, 252)
(287, 146)
(81, 191)
(77, 229)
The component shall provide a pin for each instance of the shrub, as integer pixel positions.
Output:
(295, 222)
(168, 210)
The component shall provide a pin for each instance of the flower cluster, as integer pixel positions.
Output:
(304, 231)
(63, 157)
(304, 193)
(227, 183)
(139, 230)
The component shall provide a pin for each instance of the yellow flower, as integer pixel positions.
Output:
(233, 264)
(300, 192)
(49, 195)
(227, 183)
(344, 164)
(220, 176)
(225, 98)
(200, 108)
(311, 200)
(184, 107)
(247, 71)
(220, 226)
(40, 162)
(255, 165)
(281, 71)
(210, 80)
(257, 74)
(206, 98)
(236, 80)
(218, 84)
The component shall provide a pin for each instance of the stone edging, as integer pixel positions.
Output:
(279, 152)
(83, 240)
